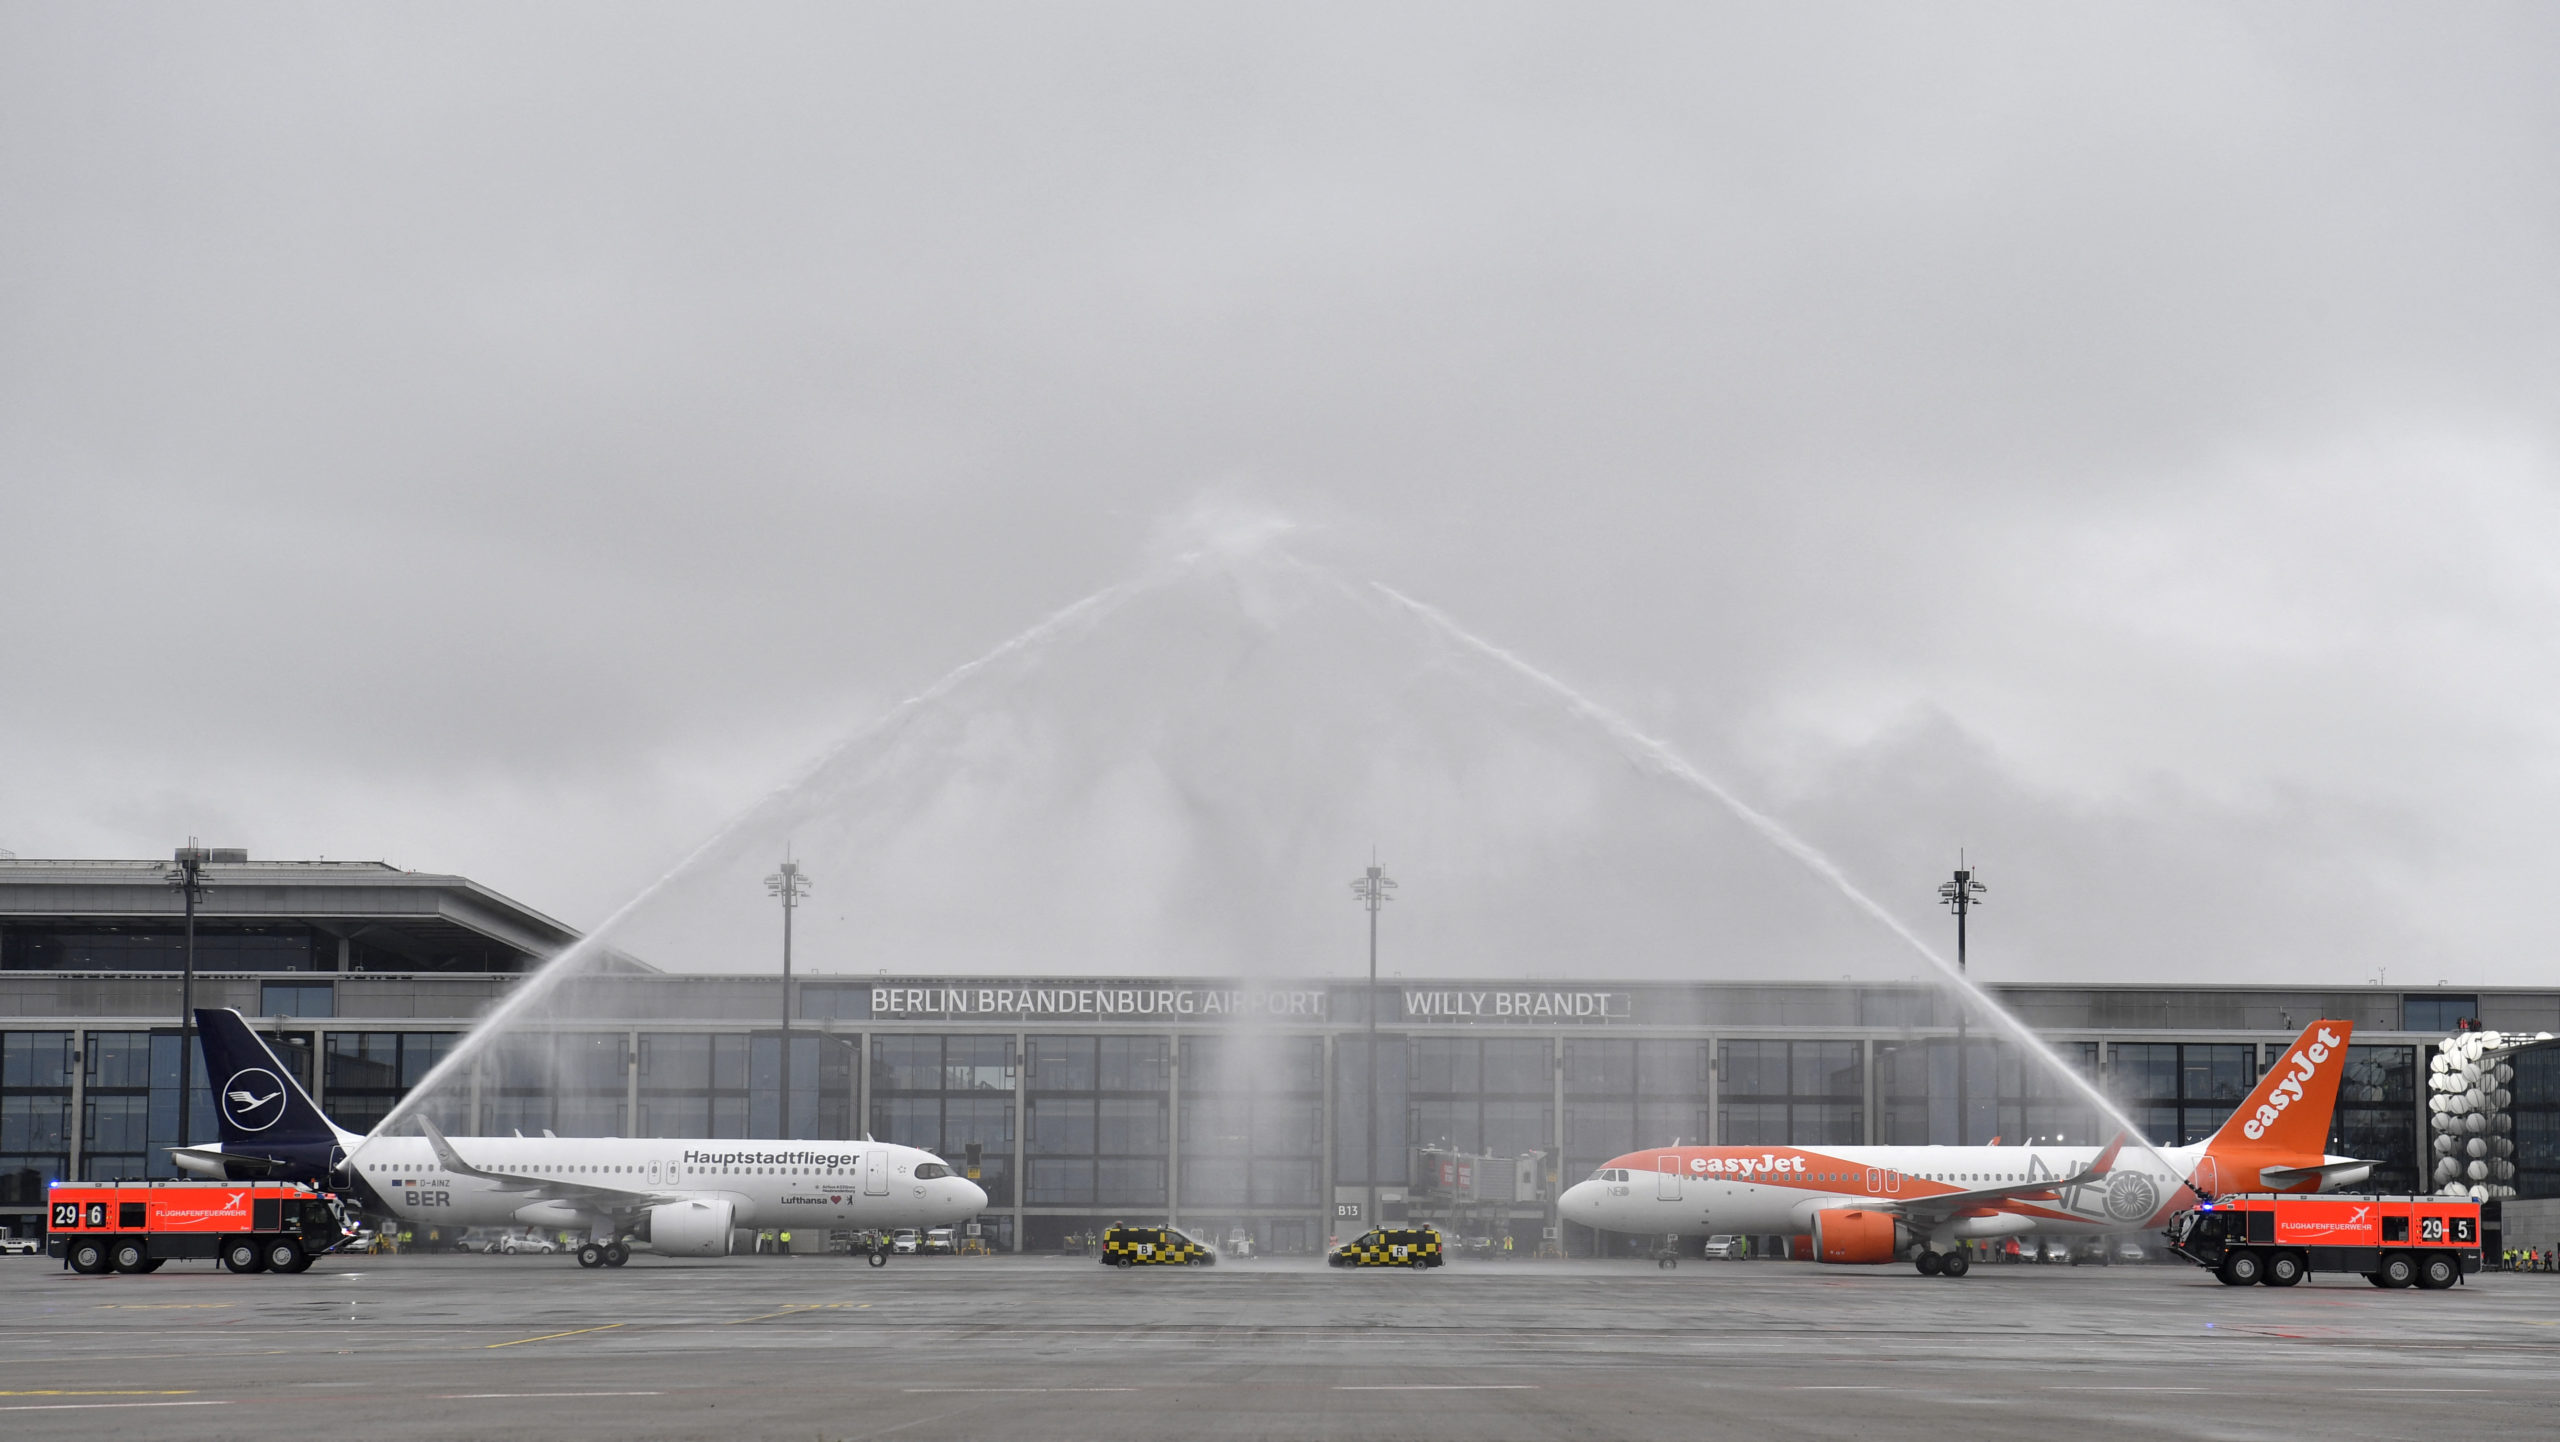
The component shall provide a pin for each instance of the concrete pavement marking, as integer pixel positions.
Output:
(103, 1392)
(975, 1391)
(491, 1396)
(103, 1406)
(548, 1336)
(1444, 1387)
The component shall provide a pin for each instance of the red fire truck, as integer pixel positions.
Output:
(135, 1226)
(2276, 1237)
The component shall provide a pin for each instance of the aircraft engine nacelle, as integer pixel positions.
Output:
(697, 1228)
(1855, 1237)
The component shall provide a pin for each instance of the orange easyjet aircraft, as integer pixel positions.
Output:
(1880, 1204)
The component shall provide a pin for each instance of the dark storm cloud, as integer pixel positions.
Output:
(505, 438)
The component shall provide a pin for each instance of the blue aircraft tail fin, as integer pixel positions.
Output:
(256, 1100)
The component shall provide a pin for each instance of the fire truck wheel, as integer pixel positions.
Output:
(2437, 1273)
(239, 1254)
(2284, 1269)
(2242, 1268)
(88, 1258)
(2398, 1270)
(615, 1254)
(282, 1256)
(129, 1256)
(301, 1263)
(591, 1255)
(1929, 1263)
(1956, 1265)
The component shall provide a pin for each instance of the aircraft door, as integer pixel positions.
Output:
(655, 1177)
(875, 1172)
(1666, 1180)
(1875, 1179)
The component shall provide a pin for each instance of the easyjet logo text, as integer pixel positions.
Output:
(1769, 1163)
(2302, 1065)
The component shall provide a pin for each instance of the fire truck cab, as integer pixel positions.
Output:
(2277, 1238)
(135, 1226)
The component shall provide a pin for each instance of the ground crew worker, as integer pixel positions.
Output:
(1506, 1244)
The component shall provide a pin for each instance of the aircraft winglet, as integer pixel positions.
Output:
(2107, 1159)
(453, 1162)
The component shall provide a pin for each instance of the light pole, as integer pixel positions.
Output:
(1371, 891)
(1961, 896)
(790, 884)
(186, 874)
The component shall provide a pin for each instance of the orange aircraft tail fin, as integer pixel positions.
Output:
(2289, 1110)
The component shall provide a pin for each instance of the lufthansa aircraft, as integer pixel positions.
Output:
(1880, 1204)
(673, 1196)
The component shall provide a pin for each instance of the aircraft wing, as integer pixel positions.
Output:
(547, 1189)
(2045, 1189)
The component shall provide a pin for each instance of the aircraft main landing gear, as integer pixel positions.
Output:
(1956, 1264)
(1929, 1263)
(879, 1257)
(615, 1254)
(591, 1255)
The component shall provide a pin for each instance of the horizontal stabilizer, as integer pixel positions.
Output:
(2279, 1179)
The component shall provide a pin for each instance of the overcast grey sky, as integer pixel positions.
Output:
(2117, 440)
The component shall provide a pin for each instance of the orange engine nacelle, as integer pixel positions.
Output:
(1854, 1237)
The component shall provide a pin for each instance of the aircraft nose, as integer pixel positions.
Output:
(1581, 1202)
(975, 1196)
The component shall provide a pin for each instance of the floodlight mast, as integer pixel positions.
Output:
(186, 874)
(790, 884)
(1370, 890)
(1961, 895)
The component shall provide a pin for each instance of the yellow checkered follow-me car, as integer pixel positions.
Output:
(1390, 1247)
(1127, 1246)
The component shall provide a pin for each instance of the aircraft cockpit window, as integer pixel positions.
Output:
(926, 1171)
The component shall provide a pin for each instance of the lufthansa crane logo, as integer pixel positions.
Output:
(253, 1100)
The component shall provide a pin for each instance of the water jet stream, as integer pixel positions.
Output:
(1659, 755)
(557, 968)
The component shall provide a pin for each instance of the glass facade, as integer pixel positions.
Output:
(2434, 1011)
(1485, 1097)
(1355, 1116)
(943, 1092)
(2007, 1094)
(1252, 1124)
(2182, 1092)
(2536, 1109)
(1802, 1093)
(1096, 1130)
(2377, 1116)
(366, 1073)
(35, 1114)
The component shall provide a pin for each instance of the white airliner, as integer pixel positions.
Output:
(673, 1196)
(1860, 1204)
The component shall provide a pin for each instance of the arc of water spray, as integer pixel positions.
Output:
(549, 975)
(1661, 757)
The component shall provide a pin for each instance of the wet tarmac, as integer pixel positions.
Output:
(1056, 1348)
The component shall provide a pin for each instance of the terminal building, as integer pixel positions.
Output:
(1229, 1106)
